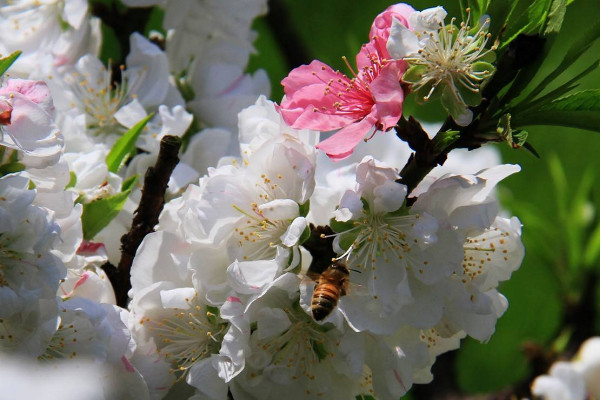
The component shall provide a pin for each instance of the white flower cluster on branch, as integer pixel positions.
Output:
(228, 296)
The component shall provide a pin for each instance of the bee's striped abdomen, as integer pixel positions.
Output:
(330, 286)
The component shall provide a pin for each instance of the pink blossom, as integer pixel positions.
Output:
(319, 98)
(380, 30)
(27, 119)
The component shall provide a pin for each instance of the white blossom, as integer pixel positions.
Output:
(29, 272)
(49, 33)
(27, 121)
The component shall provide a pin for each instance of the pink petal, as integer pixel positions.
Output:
(84, 277)
(383, 21)
(36, 91)
(128, 366)
(310, 98)
(343, 142)
(306, 75)
(380, 30)
(388, 94)
(304, 110)
(87, 248)
(31, 128)
(363, 58)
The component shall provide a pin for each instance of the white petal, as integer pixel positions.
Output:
(272, 322)
(564, 383)
(175, 122)
(351, 206)
(249, 276)
(147, 71)
(294, 231)
(494, 175)
(389, 197)
(428, 19)
(280, 209)
(203, 376)
(130, 114)
(160, 249)
(177, 298)
(182, 176)
(402, 41)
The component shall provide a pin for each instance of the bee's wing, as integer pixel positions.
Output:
(357, 289)
(307, 288)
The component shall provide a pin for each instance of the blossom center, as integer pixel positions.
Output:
(350, 96)
(448, 56)
(187, 335)
(383, 238)
(257, 235)
(100, 98)
(301, 347)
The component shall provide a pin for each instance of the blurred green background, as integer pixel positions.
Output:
(553, 296)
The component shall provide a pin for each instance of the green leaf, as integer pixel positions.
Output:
(98, 214)
(528, 22)
(125, 145)
(6, 62)
(592, 250)
(499, 12)
(576, 49)
(527, 105)
(586, 100)
(578, 110)
(304, 208)
(11, 167)
(72, 180)
(527, 146)
(515, 138)
(477, 7)
(556, 16)
(155, 22)
(304, 236)
(129, 183)
(519, 137)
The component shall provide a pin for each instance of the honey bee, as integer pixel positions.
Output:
(331, 284)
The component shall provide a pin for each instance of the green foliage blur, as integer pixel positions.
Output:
(555, 196)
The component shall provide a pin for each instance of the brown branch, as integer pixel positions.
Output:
(147, 213)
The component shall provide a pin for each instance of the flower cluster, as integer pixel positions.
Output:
(408, 50)
(228, 295)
